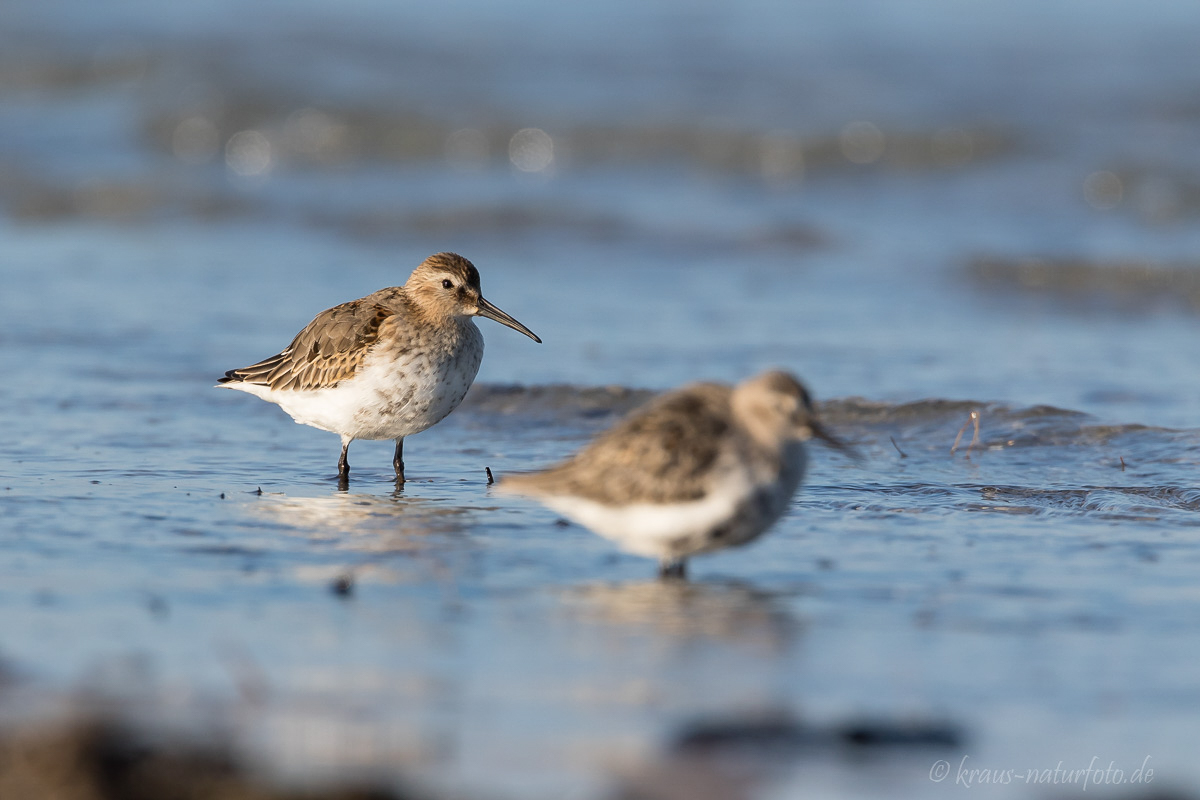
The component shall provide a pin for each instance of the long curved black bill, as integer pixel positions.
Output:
(488, 310)
(822, 433)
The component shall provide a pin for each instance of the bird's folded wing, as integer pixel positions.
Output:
(662, 453)
(329, 350)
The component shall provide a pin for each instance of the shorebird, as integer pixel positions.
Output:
(384, 366)
(699, 469)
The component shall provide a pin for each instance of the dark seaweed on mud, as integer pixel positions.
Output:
(1020, 446)
(104, 758)
(931, 422)
(1133, 284)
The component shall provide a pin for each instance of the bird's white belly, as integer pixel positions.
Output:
(389, 397)
(736, 510)
(648, 529)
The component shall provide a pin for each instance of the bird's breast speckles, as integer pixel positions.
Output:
(409, 386)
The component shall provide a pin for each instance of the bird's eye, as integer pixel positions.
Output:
(446, 284)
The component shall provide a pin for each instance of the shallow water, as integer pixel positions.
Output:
(1019, 241)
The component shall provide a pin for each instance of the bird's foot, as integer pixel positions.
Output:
(673, 570)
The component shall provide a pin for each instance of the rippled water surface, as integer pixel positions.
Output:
(925, 209)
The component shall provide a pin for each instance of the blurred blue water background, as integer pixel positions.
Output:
(986, 205)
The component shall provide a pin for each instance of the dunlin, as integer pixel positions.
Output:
(699, 469)
(385, 366)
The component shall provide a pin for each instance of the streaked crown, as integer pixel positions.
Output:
(453, 265)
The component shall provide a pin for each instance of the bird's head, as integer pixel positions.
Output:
(447, 285)
(777, 409)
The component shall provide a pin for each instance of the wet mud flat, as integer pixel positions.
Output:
(100, 756)
(470, 645)
(100, 759)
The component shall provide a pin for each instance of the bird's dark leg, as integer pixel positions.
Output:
(398, 460)
(344, 466)
(673, 570)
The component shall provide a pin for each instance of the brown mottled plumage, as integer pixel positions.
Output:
(329, 350)
(702, 468)
(662, 453)
(385, 366)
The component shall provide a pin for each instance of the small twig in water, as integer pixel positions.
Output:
(1122, 463)
(491, 480)
(898, 450)
(974, 439)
